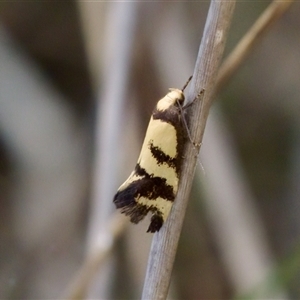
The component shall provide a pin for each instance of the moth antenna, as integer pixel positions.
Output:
(187, 83)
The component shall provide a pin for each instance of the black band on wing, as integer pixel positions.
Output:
(148, 186)
(162, 157)
(151, 187)
(172, 116)
(137, 212)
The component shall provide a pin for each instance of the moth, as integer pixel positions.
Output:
(153, 184)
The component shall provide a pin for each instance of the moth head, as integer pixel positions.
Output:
(174, 97)
(177, 96)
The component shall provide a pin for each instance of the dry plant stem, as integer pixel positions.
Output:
(92, 264)
(273, 12)
(164, 243)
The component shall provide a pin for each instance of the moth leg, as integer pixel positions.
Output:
(182, 108)
(185, 123)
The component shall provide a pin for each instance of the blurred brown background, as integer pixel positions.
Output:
(78, 82)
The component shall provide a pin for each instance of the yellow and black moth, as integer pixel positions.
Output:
(153, 185)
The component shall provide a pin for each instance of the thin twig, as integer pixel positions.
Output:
(164, 244)
(271, 14)
(92, 264)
